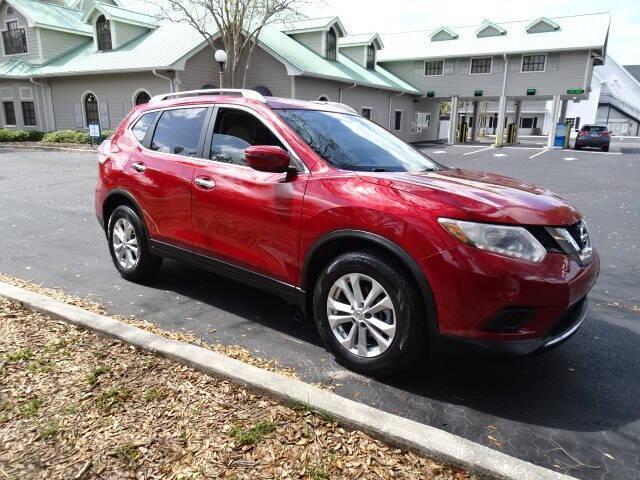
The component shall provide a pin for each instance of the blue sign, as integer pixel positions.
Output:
(561, 135)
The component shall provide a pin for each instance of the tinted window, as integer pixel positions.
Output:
(29, 114)
(142, 125)
(9, 113)
(594, 128)
(178, 131)
(235, 131)
(351, 142)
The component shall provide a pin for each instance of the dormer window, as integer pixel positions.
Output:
(15, 39)
(490, 29)
(443, 34)
(371, 57)
(542, 25)
(9, 11)
(103, 33)
(332, 45)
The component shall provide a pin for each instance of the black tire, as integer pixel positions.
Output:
(147, 264)
(605, 149)
(410, 341)
(576, 147)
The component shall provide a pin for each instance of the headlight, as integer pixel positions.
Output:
(514, 242)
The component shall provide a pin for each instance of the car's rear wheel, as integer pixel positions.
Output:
(129, 247)
(369, 314)
(605, 149)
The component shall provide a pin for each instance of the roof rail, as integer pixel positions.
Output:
(342, 106)
(250, 94)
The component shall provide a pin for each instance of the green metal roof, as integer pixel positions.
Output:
(121, 15)
(51, 16)
(344, 70)
(160, 48)
(308, 24)
(15, 68)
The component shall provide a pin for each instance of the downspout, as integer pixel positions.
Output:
(341, 90)
(166, 78)
(44, 107)
(391, 97)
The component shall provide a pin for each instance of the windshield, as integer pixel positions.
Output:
(351, 142)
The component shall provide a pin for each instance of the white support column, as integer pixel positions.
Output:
(475, 121)
(502, 115)
(453, 122)
(555, 112)
(516, 120)
(563, 110)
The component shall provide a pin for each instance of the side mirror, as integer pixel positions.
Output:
(266, 158)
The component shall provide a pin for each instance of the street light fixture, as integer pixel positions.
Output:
(221, 58)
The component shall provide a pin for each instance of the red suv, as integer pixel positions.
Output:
(387, 250)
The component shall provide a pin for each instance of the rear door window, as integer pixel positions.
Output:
(235, 130)
(179, 131)
(142, 125)
(594, 128)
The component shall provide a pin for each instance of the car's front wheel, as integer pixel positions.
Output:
(370, 314)
(129, 247)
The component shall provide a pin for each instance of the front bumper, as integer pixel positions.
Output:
(472, 288)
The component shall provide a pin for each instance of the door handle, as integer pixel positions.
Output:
(205, 183)
(138, 166)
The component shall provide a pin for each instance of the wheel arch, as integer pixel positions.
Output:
(113, 200)
(335, 243)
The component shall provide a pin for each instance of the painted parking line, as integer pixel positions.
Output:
(439, 151)
(569, 159)
(477, 151)
(539, 153)
(499, 154)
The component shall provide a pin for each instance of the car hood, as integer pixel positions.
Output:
(482, 196)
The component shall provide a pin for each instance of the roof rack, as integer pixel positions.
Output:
(339, 105)
(250, 94)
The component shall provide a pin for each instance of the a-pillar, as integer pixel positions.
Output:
(474, 122)
(502, 115)
(516, 120)
(555, 113)
(453, 123)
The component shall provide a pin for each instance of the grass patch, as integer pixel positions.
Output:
(252, 435)
(128, 452)
(306, 408)
(153, 394)
(92, 378)
(317, 472)
(30, 409)
(50, 431)
(56, 345)
(113, 398)
(18, 355)
(43, 365)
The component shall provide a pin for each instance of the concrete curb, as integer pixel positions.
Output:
(401, 432)
(53, 148)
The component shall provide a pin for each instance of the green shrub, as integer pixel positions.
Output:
(66, 136)
(12, 135)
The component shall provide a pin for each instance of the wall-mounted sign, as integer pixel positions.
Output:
(575, 91)
(431, 94)
(531, 91)
(478, 93)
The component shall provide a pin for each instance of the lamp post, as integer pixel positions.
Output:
(221, 58)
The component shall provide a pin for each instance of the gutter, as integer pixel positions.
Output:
(171, 89)
(391, 104)
(341, 90)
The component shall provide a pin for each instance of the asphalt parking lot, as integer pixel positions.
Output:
(575, 409)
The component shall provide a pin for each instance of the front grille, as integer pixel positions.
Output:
(572, 240)
(578, 232)
(544, 237)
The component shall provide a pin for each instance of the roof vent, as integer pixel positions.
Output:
(542, 25)
(490, 29)
(443, 34)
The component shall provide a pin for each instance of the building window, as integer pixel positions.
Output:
(423, 120)
(574, 123)
(434, 67)
(371, 57)
(9, 113)
(529, 122)
(14, 39)
(29, 114)
(91, 113)
(103, 33)
(533, 63)
(397, 120)
(9, 11)
(367, 112)
(481, 65)
(142, 98)
(332, 45)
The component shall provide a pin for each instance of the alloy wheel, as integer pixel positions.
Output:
(361, 315)
(125, 243)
